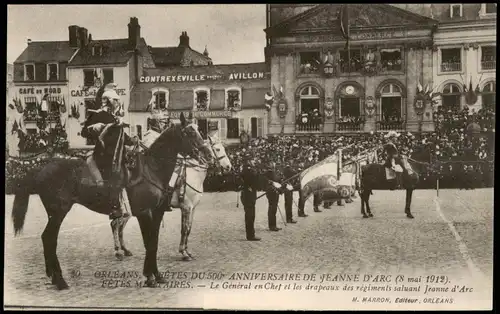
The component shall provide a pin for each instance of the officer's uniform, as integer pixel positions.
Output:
(390, 162)
(273, 195)
(101, 156)
(250, 184)
(288, 173)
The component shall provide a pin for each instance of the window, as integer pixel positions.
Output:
(201, 99)
(160, 98)
(309, 62)
(53, 104)
(233, 128)
(391, 60)
(455, 10)
(97, 50)
(489, 95)
(88, 78)
(350, 61)
(309, 99)
(233, 98)
(391, 103)
(52, 72)
(451, 59)
(488, 58)
(491, 8)
(451, 96)
(256, 126)
(108, 76)
(29, 72)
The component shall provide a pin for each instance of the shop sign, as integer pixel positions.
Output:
(33, 90)
(92, 92)
(202, 114)
(179, 78)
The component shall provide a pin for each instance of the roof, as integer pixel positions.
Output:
(115, 51)
(167, 56)
(43, 51)
(172, 56)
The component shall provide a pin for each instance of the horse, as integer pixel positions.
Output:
(373, 177)
(64, 182)
(191, 189)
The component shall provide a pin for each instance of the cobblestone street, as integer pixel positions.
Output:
(335, 241)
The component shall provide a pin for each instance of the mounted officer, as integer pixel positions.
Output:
(100, 163)
(393, 160)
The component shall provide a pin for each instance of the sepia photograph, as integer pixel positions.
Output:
(250, 156)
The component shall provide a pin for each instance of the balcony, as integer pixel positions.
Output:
(33, 116)
(489, 65)
(354, 67)
(451, 67)
(391, 125)
(308, 123)
(350, 124)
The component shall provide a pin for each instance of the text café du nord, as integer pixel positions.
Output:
(199, 77)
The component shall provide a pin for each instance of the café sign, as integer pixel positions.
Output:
(202, 114)
(93, 92)
(33, 90)
(179, 78)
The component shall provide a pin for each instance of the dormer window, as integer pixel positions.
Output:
(309, 62)
(201, 99)
(52, 72)
(97, 50)
(29, 72)
(455, 10)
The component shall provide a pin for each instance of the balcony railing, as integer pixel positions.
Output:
(309, 127)
(307, 68)
(488, 65)
(451, 66)
(350, 126)
(32, 116)
(354, 67)
(390, 125)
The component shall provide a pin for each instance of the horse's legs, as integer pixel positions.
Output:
(115, 226)
(185, 214)
(409, 193)
(120, 234)
(145, 223)
(155, 234)
(190, 224)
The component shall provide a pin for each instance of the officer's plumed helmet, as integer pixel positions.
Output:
(110, 94)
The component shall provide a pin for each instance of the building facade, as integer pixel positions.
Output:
(232, 97)
(370, 86)
(464, 53)
(98, 63)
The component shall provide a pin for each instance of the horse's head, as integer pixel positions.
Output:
(219, 152)
(192, 142)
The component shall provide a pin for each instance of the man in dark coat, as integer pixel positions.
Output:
(302, 202)
(250, 182)
(288, 188)
(100, 163)
(392, 153)
(273, 190)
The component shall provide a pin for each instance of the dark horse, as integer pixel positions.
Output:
(64, 182)
(373, 177)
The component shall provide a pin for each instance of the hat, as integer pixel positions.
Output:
(110, 94)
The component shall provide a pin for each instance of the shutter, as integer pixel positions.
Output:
(242, 125)
(260, 126)
(223, 129)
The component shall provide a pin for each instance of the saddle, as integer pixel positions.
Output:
(402, 166)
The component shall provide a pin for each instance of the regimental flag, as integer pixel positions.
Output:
(470, 96)
(322, 178)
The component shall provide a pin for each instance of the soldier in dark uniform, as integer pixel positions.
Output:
(250, 182)
(390, 162)
(273, 191)
(101, 161)
(288, 189)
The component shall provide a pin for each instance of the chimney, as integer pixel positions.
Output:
(184, 40)
(205, 53)
(134, 33)
(90, 38)
(83, 36)
(73, 36)
(29, 41)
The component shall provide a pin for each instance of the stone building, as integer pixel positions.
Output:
(371, 86)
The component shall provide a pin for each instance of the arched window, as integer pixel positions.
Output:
(489, 95)
(391, 108)
(160, 98)
(451, 96)
(309, 99)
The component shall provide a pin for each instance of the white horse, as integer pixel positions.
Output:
(189, 190)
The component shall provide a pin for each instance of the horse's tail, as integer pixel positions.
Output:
(20, 208)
